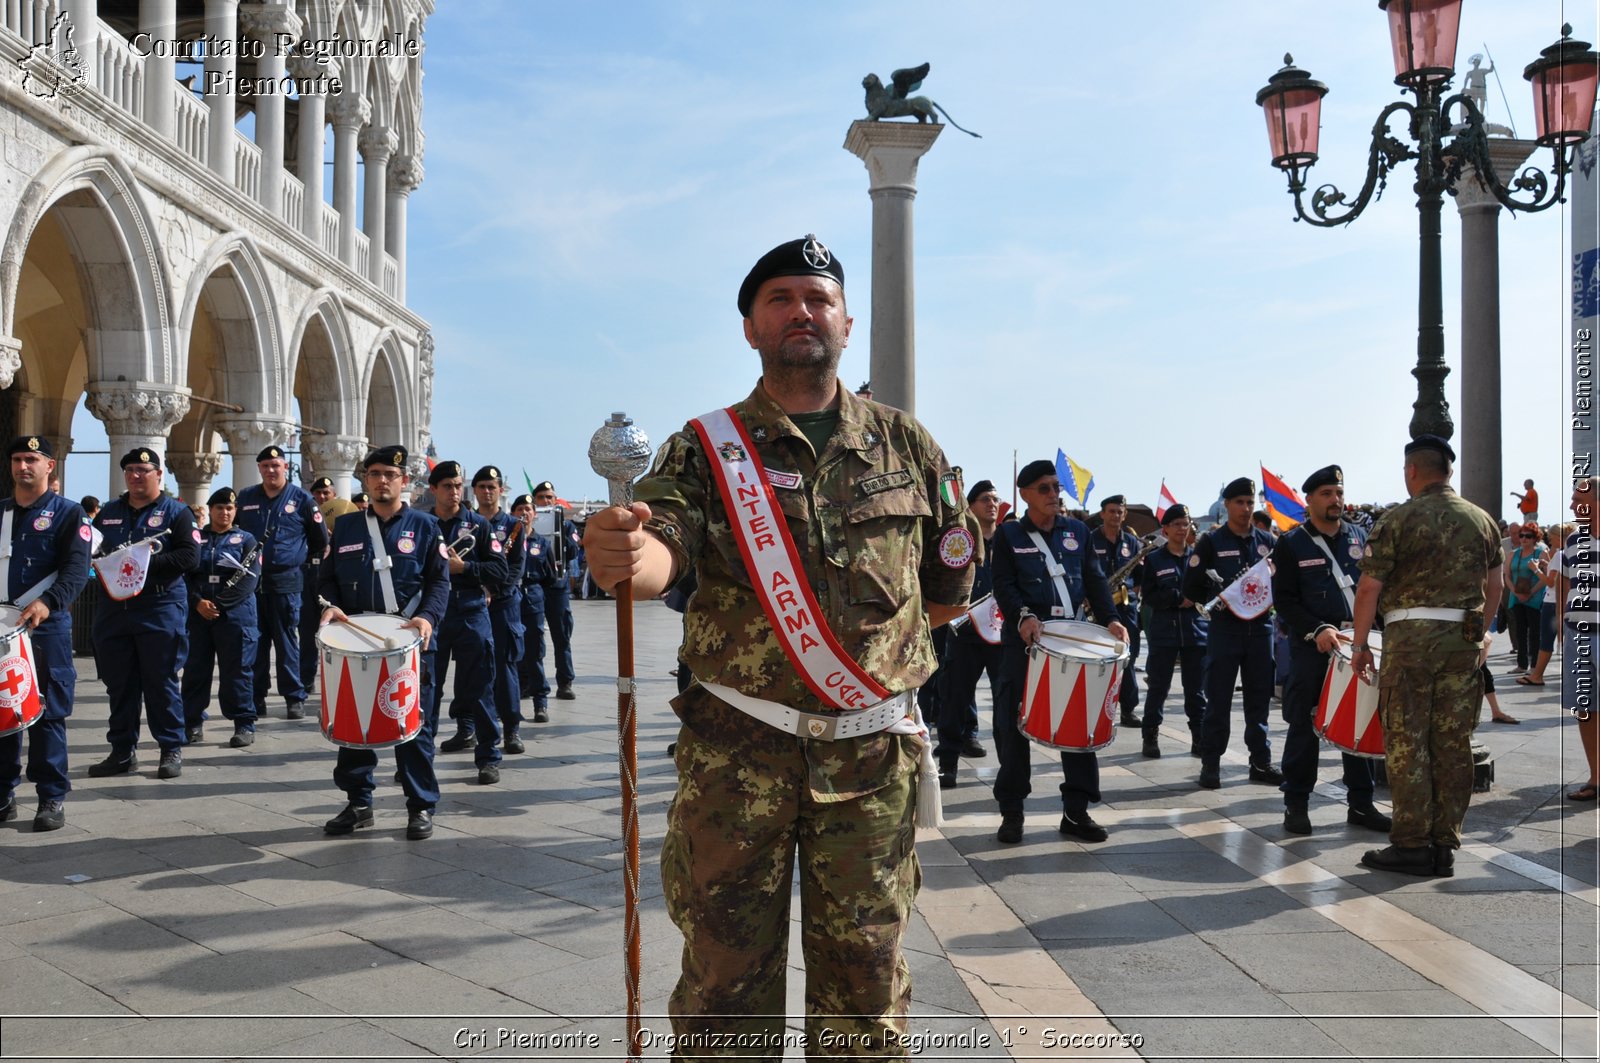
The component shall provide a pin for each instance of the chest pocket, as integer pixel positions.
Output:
(880, 546)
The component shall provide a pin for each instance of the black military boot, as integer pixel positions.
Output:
(1406, 859)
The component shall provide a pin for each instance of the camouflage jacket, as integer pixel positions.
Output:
(868, 516)
(1432, 551)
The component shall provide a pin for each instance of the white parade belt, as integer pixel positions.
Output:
(1396, 615)
(824, 726)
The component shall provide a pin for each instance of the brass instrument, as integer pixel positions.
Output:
(1119, 589)
(465, 541)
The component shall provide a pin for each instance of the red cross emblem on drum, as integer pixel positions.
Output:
(398, 694)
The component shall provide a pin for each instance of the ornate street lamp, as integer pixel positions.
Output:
(1423, 35)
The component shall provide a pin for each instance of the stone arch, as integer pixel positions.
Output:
(230, 284)
(93, 196)
(388, 400)
(322, 346)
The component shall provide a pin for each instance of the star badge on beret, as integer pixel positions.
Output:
(33, 442)
(398, 459)
(816, 255)
(144, 455)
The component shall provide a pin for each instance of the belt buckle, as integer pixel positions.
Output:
(818, 727)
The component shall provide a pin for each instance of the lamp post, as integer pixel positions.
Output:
(1423, 34)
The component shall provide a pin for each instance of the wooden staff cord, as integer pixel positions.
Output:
(628, 764)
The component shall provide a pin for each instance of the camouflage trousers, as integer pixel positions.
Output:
(1429, 704)
(750, 797)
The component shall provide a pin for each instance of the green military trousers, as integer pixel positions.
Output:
(1429, 699)
(750, 797)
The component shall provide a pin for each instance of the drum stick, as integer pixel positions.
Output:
(1118, 646)
(388, 642)
(619, 452)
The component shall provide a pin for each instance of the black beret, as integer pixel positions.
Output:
(31, 445)
(1113, 500)
(272, 453)
(544, 485)
(522, 500)
(359, 497)
(1035, 470)
(142, 456)
(445, 470)
(488, 472)
(1431, 443)
(320, 482)
(1176, 511)
(982, 487)
(1239, 488)
(1328, 474)
(805, 257)
(223, 496)
(394, 455)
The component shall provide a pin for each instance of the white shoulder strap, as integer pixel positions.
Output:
(1056, 572)
(381, 564)
(1346, 584)
(5, 554)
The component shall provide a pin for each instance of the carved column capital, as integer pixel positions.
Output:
(308, 70)
(333, 456)
(377, 143)
(405, 174)
(349, 110)
(191, 467)
(10, 360)
(141, 409)
(249, 436)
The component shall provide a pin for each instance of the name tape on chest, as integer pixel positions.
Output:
(886, 481)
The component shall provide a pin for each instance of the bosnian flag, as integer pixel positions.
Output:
(1164, 500)
(1286, 508)
(1077, 480)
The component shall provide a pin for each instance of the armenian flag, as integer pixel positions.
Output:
(1075, 478)
(1286, 508)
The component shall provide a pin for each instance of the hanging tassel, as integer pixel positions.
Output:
(930, 806)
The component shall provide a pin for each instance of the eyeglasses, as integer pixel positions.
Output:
(1525, 535)
(140, 470)
(385, 474)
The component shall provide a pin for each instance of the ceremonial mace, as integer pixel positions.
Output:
(619, 452)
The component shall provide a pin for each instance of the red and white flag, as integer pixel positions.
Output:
(1164, 501)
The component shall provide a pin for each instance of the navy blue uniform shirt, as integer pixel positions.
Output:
(230, 568)
(515, 553)
(485, 569)
(411, 539)
(1113, 555)
(1304, 589)
(120, 524)
(289, 529)
(1022, 580)
(1221, 551)
(52, 535)
(1163, 593)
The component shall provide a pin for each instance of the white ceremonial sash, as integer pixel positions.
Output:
(1346, 584)
(774, 568)
(1057, 573)
(382, 563)
(1251, 594)
(123, 571)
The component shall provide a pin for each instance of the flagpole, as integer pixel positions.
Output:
(1013, 481)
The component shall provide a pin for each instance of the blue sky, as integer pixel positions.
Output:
(1113, 269)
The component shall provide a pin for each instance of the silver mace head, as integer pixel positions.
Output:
(620, 453)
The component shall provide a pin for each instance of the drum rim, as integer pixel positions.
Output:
(1120, 657)
(415, 643)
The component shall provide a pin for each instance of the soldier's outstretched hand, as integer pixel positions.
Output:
(614, 544)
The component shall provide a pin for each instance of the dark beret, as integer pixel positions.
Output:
(393, 455)
(488, 472)
(805, 257)
(445, 470)
(1431, 443)
(1113, 500)
(142, 456)
(272, 453)
(223, 496)
(31, 445)
(522, 500)
(320, 482)
(980, 488)
(1238, 488)
(1034, 471)
(1176, 511)
(359, 497)
(1328, 474)
(544, 485)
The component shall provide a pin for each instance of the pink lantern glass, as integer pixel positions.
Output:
(1423, 35)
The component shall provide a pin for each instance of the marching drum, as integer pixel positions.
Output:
(20, 706)
(984, 616)
(371, 683)
(1074, 671)
(1347, 713)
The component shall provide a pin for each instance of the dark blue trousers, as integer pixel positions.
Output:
(966, 658)
(1128, 691)
(1158, 682)
(310, 620)
(1301, 747)
(47, 739)
(280, 639)
(138, 655)
(466, 637)
(1237, 651)
(230, 643)
(1013, 783)
(505, 620)
(558, 611)
(353, 771)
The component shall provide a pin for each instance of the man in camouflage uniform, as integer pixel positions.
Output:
(1432, 567)
(879, 523)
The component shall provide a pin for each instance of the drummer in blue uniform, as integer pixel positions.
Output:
(411, 579)
(505, 610)
(558, 593)
(1235, 648)
(967, 656)
(1114, 546)
(140, 643)
(1029, 585)
(286, 522)
(538, 569)
(1315, 570)
(46, 562)
(222, 623)
(1176, 634)
(477, 571)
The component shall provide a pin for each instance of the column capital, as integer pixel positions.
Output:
(10, 360)
(405, 174)
(309, 70)
(193, 468)
(264, 20)
(377, 143)
(349, 111)
(891, 151)
(333, 456)
(248, 436)
(138, 409)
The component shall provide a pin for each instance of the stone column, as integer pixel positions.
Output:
(159, 18)
(349, 113)
(86, 37)
(1481, 440)
(270, 24)
(313, 132)
(891, 151)
(335, 457)
(137, 414)
(248, 436)
(377, 143)
(10, 360)
(222, 23)
(405, 175)
(194, 473)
